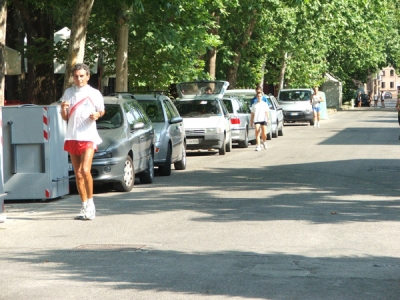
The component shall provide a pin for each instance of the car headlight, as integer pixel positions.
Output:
(102, 154)
(214, 130)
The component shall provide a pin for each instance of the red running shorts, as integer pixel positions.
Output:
(78, 147)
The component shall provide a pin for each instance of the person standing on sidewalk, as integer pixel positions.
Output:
(315, 101)
(376, 97)
(383, 99)
(359, 99)
(370, 99)
(259, 119)
(398, 110)
(81, 106)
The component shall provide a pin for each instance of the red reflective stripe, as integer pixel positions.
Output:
(73, 108)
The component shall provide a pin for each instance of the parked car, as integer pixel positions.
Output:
(239, 112)
(206, 119)
(277, 117)
(247, 95)
(364, 100)
(128, 145)
(170, 146)
(296, 105)
(387, 95)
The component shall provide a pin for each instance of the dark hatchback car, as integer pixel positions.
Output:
(127, 148)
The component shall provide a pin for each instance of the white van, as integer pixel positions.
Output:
(296, 105)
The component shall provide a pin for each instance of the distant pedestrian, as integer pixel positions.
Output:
(358, 99)
(383, 99)
(260, 119)
(398, 110)
(264, 98)
(315, 101)
(376, 97)
(369, 99)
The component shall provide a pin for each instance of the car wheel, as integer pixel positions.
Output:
(128, 181)
(269, 136)
(245, 142)
(222, 150)
(229, 146)
(280, 131)
(147, 176)
(181, 165)
(312, 123)
(165, 170)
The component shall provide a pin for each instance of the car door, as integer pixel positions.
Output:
(146, 134)
(227, 120)
(134, 136)
(176, 130)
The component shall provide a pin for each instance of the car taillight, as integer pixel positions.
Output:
(235, 121)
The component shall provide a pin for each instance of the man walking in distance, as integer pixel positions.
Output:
(259, 118)
(383, 99)
(81, 106)
(316, 99)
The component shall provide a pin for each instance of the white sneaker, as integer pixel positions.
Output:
(318, 125)
(90, 212)
(81, 215)
(258, 148)
(315, 124)
(265, 145)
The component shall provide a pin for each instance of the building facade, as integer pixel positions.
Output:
(386, 80)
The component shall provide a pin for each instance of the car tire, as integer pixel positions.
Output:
(229, 146)
(181, 165)
(280, 131)
(147, 176)
(269, 136)
(165, 170)
(222, 150)
(312, 123)
(128, 181)
(245, 142)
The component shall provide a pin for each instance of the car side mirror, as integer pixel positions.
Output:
(175, 120)
(137, 126)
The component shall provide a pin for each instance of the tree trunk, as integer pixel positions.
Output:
(3, 21)
(282, 72)
(39, 26)
(231, 75)
(212, 54)
(121, 84)
(16, 85)
(76, 49)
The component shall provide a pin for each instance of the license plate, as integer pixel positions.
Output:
(192, 141)
(70, 168)
(294, 114)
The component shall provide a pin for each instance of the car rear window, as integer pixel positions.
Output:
(196, 108)
(296, 95)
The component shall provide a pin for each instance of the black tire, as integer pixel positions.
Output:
(128, 181)
(165, 170)
(229, 146)
(245, 142)
(222, 150)
(312, 123)
(280, 131)
(269, 136)
(147, 176)
(181, 165)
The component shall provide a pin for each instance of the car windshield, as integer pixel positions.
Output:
(296, 95)
(153, 109)
(198, 108)
(112, 118)
(201, 88)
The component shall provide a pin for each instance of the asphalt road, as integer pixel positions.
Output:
(316, 216)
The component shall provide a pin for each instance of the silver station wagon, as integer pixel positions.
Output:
(170, 145)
